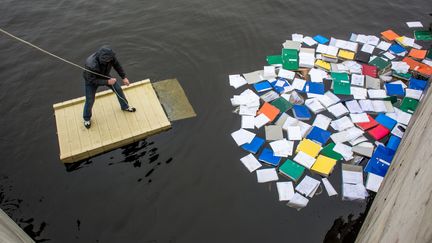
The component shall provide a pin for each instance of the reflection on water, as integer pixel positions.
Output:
(347, 231)
(142, 154)
(11, 206)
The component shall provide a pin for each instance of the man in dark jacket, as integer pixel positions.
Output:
(101, 62)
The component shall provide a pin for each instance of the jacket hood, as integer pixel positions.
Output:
(105, 54)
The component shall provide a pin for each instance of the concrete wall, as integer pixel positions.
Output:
(11, 232)
(402, 209)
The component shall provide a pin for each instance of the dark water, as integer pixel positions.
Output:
(184, 185)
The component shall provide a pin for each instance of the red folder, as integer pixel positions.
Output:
(379, 132)
(369, 70)
(367, 125)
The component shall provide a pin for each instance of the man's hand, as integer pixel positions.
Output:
(111, 81)
(126, 81)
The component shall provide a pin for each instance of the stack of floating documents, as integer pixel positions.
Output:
(322, 101)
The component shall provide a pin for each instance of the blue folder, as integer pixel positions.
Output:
(278, 89)
(393, 142)
(396, 48)
(316, 88)
(319, 135)
(254, 145)
(262, 86)
(268, 157)
(320, 39)
(380, 161)
(301, 112)
(386, 121)
(417, 84)
(394, 89)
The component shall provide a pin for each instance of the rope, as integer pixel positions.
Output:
(60, 58)
(49, 53)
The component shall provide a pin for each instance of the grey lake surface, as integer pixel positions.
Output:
(183, 185)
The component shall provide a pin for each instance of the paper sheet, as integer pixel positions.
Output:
(414, 24)
(237, 81)
(294, 133)
(307, 186)
(285, 190)
(322, 121)
(304, 159)
(261, 120)
(248, 122)
(361, 117)
(329, 188)
(373, 182)
(283, 73)
(242, 136)
(267, 175)
(282, 148)
(352, 177)
(298, 201)
(250, 162)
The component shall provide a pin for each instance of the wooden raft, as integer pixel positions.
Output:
(111, 127)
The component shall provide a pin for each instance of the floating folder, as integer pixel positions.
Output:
(253, 146)
(367, 125)
(320, 39)
(291, 169)
(262, 86)
(397, 49)
(323, 165)
(409, 105)
(369, 70)
(329, 152)
(319, 135)
(290, 59)
(378, 132)
(269, 111)
(346, 55)
(282, 104)
(393, 142)
(417, 84)
(423, 35)
(394, 89)
(389, 35)
(386, 121)
(323, 65)
(417, 54)
(362, 56)
(301, 112)
(275, 59)
(380, 63)
(316, 88)
(268, 157)
(380, 161)
(309, 147)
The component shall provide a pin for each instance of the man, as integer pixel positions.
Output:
(101, 62)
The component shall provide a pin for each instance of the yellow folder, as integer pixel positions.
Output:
(347, 55)
(309, 147)
(322, 64)
(323, 165)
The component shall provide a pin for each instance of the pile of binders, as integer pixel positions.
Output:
(323, 103)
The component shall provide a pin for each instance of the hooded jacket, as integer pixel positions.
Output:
(101, 62)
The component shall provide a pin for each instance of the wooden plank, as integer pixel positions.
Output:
(402, 209)
(10, 231)
(138, 122)
(150, 112)
(74, 143)
(62, 133)
(156, 106)
(111, 127)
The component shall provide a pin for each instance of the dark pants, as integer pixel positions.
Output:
(90, 92)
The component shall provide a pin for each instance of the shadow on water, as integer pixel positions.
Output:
(141, 154)
(346, 231)
(11, 205)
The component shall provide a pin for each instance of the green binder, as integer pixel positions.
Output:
(282, 104)
(341, 83)
(329, 152)
(290, 59)
(404, 76)
(292, 170)
(409, 105)
(275, 59)
(380, 63)
(423, 35)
